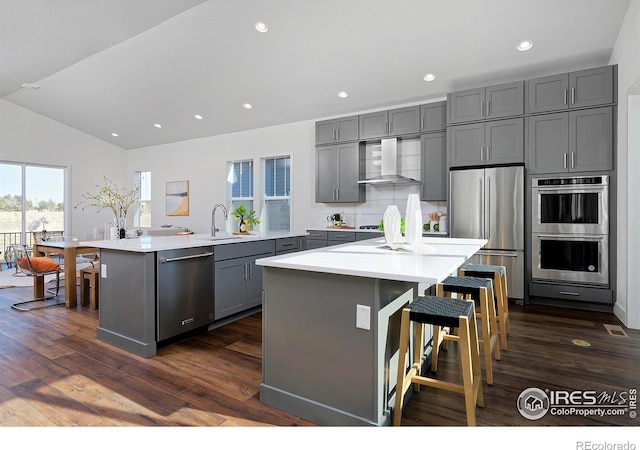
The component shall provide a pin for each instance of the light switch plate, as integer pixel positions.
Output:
(103, 271)
(363, 317)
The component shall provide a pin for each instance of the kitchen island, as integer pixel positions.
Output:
(331, 320)
(155, 288)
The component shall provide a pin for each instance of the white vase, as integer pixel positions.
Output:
(413, 220)
(391, 223)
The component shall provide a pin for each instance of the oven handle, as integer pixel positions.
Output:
(573, 237)
(583, 188)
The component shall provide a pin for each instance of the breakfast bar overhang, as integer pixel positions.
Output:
(331, 320)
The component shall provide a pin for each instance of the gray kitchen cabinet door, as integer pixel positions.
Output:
(316, 243)
(591, 87)
(433, 173)
(548, 93)
(404, 121)
(343, 129)
(548, 143)
(348, 174)
(591, 139)
(466, 106)
(347, 129)
(504, 141)
(466, 144)
(229, 278)
(374, 125)
(433, 117)
(504, 100)
(326, 174)
(253, 284)
(326, 132)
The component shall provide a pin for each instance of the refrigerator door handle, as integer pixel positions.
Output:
(481, 209)
(498, 253)
(488, 221)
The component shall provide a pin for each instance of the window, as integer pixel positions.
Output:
(241, 180)
(277, 194)
(143, 218)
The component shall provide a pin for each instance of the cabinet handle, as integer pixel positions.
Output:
(337, 194)
(481, 109)
(244, 275)
(250, 270)
(422, 123)
(337, 135)
(568, 293)
(573, 95)
(488, 153)
(564, 157)
(287, 244)
(388, 126)
(565, 96)
(481, 153)
(488, 107)
(573, 160)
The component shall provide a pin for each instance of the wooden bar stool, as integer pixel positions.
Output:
(480, 290)
(440, 312)
(498, 274)
(89, 287)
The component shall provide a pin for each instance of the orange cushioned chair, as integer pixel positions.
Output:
(35, 266)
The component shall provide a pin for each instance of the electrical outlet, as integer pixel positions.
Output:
(363, 317)
(103, 271)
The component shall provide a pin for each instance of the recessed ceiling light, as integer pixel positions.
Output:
(342, 94)
(429, 77)
(115, 134)
(198, 116)
(247, 106)
(157, 125)
(262, 27)
(30, 86)
(525, 45)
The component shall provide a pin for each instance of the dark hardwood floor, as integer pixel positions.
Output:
(54, 372)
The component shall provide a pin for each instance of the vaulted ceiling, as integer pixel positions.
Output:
(121, 66)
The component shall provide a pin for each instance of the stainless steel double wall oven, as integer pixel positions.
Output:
(570, 230)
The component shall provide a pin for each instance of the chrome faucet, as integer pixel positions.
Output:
(213, 217)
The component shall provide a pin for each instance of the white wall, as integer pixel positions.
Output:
(626, 54)
(32, 138)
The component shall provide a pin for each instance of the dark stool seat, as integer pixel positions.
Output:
(480, 290)
(498, 274)
(440, 312)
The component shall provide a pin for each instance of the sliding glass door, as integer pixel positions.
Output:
(32, 200)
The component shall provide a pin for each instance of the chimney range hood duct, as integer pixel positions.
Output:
(389, 168)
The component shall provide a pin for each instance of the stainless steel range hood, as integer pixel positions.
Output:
(389, 166)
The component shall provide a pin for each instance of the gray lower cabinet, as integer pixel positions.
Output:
(433, 170)
(584, 88)
(238, 280)
(364, 235)
(487, 143)
(487, 103)
(343, 129)
(338, 169)
(574, 141)
(321, 238)
(290, 245)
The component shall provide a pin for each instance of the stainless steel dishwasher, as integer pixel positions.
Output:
(184, 290)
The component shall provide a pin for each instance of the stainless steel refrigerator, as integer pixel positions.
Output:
(489, 204)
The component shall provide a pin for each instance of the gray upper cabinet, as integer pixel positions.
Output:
(394, 122)
(338, 169)
(331, 131)
(573, 141)
(433, 117)
(433, 170)
(493, 102)
(374, 125)
(487, 143)
(584, 88)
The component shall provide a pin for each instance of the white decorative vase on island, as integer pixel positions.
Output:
(413, 220)
(391, 224)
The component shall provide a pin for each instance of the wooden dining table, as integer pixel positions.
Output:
(70, 251)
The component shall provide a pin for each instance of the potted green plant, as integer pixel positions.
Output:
(246, 219)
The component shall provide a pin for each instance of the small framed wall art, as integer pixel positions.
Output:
(177, 198)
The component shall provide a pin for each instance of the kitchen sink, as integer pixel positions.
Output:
(218, 238)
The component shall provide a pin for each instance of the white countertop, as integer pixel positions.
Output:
(145, 244)
(429, 262)
(424, 233)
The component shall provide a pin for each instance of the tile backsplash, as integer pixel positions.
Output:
(379, 197)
